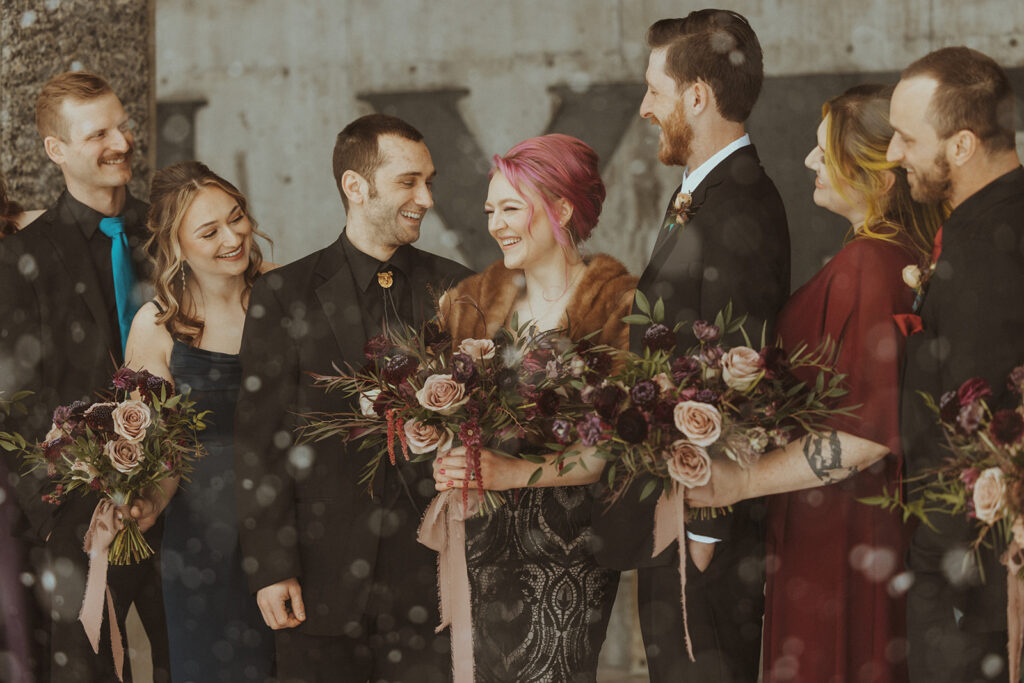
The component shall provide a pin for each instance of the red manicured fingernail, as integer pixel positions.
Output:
(440, 471)
(450, 483)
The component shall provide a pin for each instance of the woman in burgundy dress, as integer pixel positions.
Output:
(834, 607)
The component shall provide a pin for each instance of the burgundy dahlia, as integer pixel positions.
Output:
(607, 400)
(658, 337)
(100, 417)
(949, 406)
(776, 364)
(631, 426)
(376, 347)
(1007, 427)
(547, 402)
(398, 368)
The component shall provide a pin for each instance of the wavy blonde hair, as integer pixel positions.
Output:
(857, 137)
(173, 190)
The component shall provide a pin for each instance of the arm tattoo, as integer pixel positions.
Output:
(827, 465)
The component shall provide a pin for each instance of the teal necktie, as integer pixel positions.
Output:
(124, 275)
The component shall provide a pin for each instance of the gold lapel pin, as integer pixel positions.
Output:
(384, 279)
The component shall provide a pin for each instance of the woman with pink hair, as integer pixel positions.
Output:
(540, 602)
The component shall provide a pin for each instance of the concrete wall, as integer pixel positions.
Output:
(42, 38)
(280, 80)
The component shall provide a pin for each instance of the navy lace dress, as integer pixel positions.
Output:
(214, 627)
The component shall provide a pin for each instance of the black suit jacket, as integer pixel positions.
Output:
(302, 513)
(973, 320)
(735, 247)
(58, 337)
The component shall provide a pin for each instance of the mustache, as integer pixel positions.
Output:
(127, 154)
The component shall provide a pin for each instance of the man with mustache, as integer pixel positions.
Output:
(68, 291)
(724, 239)
(952, 113)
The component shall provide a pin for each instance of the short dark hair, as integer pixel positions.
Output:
(70, 85)
(974, 94)
(357, 148)
(719, 48)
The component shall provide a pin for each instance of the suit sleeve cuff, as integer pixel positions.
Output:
(701, 539)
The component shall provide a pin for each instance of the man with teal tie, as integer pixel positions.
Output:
(69, 287)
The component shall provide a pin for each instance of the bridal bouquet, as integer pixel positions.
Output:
(418, 393)
(669, 412)
(120, 447)
(983, 476)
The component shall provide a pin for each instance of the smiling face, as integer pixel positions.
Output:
(826, 193)
(400, 194)
(97, 151)
(215, 235)
(916, 145)
(663, 105)
(520, 225)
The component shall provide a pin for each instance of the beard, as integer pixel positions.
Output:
(677, 136)
(932, 186)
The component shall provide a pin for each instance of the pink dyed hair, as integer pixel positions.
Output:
(557, 167)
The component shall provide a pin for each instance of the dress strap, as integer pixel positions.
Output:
(159, 308)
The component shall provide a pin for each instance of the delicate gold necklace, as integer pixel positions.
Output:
(553, 302)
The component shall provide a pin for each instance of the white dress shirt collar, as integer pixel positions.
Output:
(692, 180)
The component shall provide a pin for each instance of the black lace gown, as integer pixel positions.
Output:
(540, 602)
(214, 627)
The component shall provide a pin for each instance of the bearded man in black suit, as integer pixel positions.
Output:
(337, 571)
(952, 113)
(63, 323)
(725, 239)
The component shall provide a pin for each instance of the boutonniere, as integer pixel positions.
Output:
(682, 210)
(917, 280)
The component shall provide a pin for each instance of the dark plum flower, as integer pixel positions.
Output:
(644, 393)
(949, 406)
(507, 379)
(584, 345)
(547, 402)
(100, 417)
(684, 367)
(155, 385)
(688, 394)
(664, 414)
(124, 379)
(463, 368)
(376, 347)
(607, 400)
(705, 331)
(590, 429)
(1007, 427)
(599, 364)
(658, 337)
(631, 426)
(776, 364)
(398, 368)
(435, 335)
(562, 431)
(706, 396)
(973, 390)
